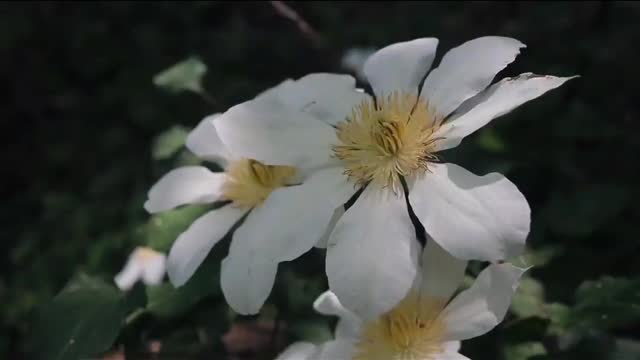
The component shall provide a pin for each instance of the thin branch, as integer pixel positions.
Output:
(287, 12)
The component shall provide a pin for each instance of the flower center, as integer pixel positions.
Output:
(410, 331)
(250, 182)
(146, 254)
(380, 142)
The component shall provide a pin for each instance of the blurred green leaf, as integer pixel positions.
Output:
(83, 320)
(185, 75)
(169, 142)
(162, 229)
(559, 315)
(606, 303)
(165, 300)
(524, 351)
(529, 299)
(538, 257)
(586, 209)
(489, 140)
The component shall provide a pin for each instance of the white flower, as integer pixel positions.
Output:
(427, 324)
(144, 264)
(284, 216)
(322, 121)
(354, 59)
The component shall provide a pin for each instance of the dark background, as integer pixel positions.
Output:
(79, 115)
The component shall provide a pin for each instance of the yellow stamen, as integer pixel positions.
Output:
(381, 142)
(410, 331)
(250, 182)
(147, 254)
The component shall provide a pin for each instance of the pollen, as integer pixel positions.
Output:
(388, 139)
(412, 330)
(250, 182)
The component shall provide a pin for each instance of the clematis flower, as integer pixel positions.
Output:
(428, 324)
(283, 215)
(143, 264)
(390, 145)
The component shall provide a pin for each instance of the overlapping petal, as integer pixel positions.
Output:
(472, 217)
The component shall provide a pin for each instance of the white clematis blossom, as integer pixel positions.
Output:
(284, 216)
(428, 324)
(143, 264)
(391, 145)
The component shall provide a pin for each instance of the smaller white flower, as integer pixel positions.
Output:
(144, 264)
(427, 324)
(281, 211)
(354, 59)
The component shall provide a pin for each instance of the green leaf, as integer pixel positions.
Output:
(167, 301)
(184, 76)
(169, 142)
(163, 228)
(559, 315)
(524, 351)
(538, 257)
(489, 140)
(606, 303)
(529, 299)
(84, 319)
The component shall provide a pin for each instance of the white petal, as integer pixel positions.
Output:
(129, 275)
(185, 185)
(245, 283)
(270, 132)
(154, 269)
(466, 70)
(339, 349)
(400, 66)
(298, 351)
(453, 355)
(480, 308)
(451, 346)
(326, 97)
(497, 100)
(472, 217)
(192, 246)
(349, 325)
(292, 219)
(442, 273)
(205, 142)
(372, 254)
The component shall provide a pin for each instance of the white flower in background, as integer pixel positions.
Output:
(285, 217)
(428, 324)
(143, 264)
(393, 139)
(355, 58)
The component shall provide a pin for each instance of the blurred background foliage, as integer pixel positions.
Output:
(86, 133)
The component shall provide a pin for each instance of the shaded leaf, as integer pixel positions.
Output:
(524, 351)
(606, 303)
(165, 300)
(163, 228)
(84, 319)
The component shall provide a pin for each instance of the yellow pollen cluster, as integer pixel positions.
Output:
(380, 142)
(250, 182)
(413, 330)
